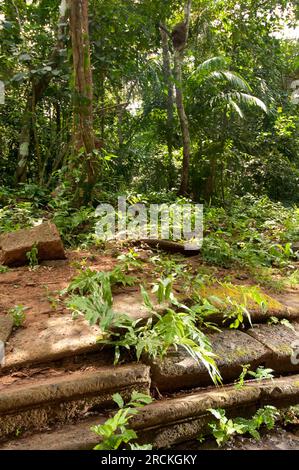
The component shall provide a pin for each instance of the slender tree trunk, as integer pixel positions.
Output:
(24, 143)
(120, 114)
(35, 93)
(170, 101)
(179, 44)
(219, 155)
(209, 187)
(183, 123)
(83, 138)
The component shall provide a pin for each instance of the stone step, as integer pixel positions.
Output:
(35, 406)
(282, 342)
(59, 336)
(263, 345)
(171, 421)
(280, 306)
(55, 338)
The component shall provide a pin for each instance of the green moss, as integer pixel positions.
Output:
(241, 295)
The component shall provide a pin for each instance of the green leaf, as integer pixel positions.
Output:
(118, 400)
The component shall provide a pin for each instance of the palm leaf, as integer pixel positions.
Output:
(233, 78)
(237, 99)
(214, 63)
(237, 108)
(248, 100)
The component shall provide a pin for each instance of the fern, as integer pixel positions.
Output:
(115, 432)
(159, 334)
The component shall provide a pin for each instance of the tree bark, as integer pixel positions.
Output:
(170, 101)
(178, 62)
(36, 91)
(83, 138)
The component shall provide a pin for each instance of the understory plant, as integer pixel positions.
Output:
(18, 315)
(92, 294)
(223, 429)
(32, 257)
(253, 232)
(237, 310)
(176, 328)
(172, 329)
(261, 373)
(115, 433)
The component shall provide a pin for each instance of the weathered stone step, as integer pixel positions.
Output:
(267, 345)
(283, 344)
(58, 337)
(280, 306)
(53, 339)
(68, 397)
(168, 422)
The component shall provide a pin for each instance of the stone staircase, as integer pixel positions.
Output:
(52, 393)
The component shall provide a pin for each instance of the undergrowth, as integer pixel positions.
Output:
(223, 429)
(115, 433)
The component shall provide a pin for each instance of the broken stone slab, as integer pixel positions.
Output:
(62, 336)
(6, 326)
(132, 304)
(63, 399)
(15, 245)
(170, 421)
(169, 246)
(233, 348)
(291, 301)
(281, 341)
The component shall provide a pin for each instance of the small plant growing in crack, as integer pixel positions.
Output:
(283, 321)
(3, 269)
(115, 432)
(261, 373)
(32, 257)
(223, 429)
(18, 315)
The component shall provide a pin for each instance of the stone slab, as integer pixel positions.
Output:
(61, 399)
(131, 304)
(170, 421)
(278, 339)
(280, 306)
(54, 338)
(233, 348)
(6, 326)
(15, 245)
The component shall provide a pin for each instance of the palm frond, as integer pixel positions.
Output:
(214, 63)
(236, 100)
(233, 78)
(236, 80)
(208, 66)
(248, 100)
(237, 108)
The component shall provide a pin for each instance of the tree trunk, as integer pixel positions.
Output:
(179, 44)
(170, 101)
(209, 188)
(183, 122)
(83, 138)
(35, 94)
(24, 143)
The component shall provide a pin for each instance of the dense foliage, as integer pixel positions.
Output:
(236, 74)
